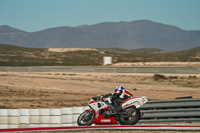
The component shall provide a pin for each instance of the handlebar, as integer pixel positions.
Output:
(98, 98)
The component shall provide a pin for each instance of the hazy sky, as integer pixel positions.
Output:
(34, 15)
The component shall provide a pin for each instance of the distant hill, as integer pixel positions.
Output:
(21, 56)
(126, 35)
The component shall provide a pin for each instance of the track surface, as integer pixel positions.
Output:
(104, 69)
(77, 128)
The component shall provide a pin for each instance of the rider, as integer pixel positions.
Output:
(120, 95)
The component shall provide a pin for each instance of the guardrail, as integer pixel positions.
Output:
(159, 111)
(171, 111)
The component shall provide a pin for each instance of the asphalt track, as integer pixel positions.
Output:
(85, 128)
(177, 70)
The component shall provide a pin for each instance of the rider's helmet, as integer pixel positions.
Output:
(119, 89)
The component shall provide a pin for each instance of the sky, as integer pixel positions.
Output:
(36, 15)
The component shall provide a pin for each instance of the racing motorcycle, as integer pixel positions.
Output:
(102, 111)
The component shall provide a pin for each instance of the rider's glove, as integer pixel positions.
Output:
(100, 97)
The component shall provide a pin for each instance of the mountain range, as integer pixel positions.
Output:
(126, 35)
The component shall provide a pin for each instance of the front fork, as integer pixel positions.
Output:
(87, 115)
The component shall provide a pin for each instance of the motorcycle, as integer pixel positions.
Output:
(102, 111)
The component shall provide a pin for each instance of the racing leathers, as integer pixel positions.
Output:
(119, 96)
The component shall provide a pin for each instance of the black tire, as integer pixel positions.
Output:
(86, 119)
(131, 118)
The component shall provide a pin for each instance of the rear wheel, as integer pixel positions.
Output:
(131, 118)
(86, 118)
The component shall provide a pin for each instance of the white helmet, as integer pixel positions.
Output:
(118, 89)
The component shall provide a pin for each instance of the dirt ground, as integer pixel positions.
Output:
(157, 64)
(59, 90)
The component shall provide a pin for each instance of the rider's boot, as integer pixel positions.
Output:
(120, 110)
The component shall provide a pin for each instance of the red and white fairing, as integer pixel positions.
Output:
(134, 101)
(97, 106)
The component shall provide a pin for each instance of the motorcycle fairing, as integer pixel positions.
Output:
(135, 102)
(100, 119)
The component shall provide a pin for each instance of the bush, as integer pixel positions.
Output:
(158, 77)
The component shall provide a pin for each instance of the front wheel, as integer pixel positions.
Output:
(86, 118)
(132, 117)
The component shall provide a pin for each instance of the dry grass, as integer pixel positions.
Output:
(57, 90)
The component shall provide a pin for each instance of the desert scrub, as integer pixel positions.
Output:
(158, 77)
(21, 56)
(135, 89)
(190, 81)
